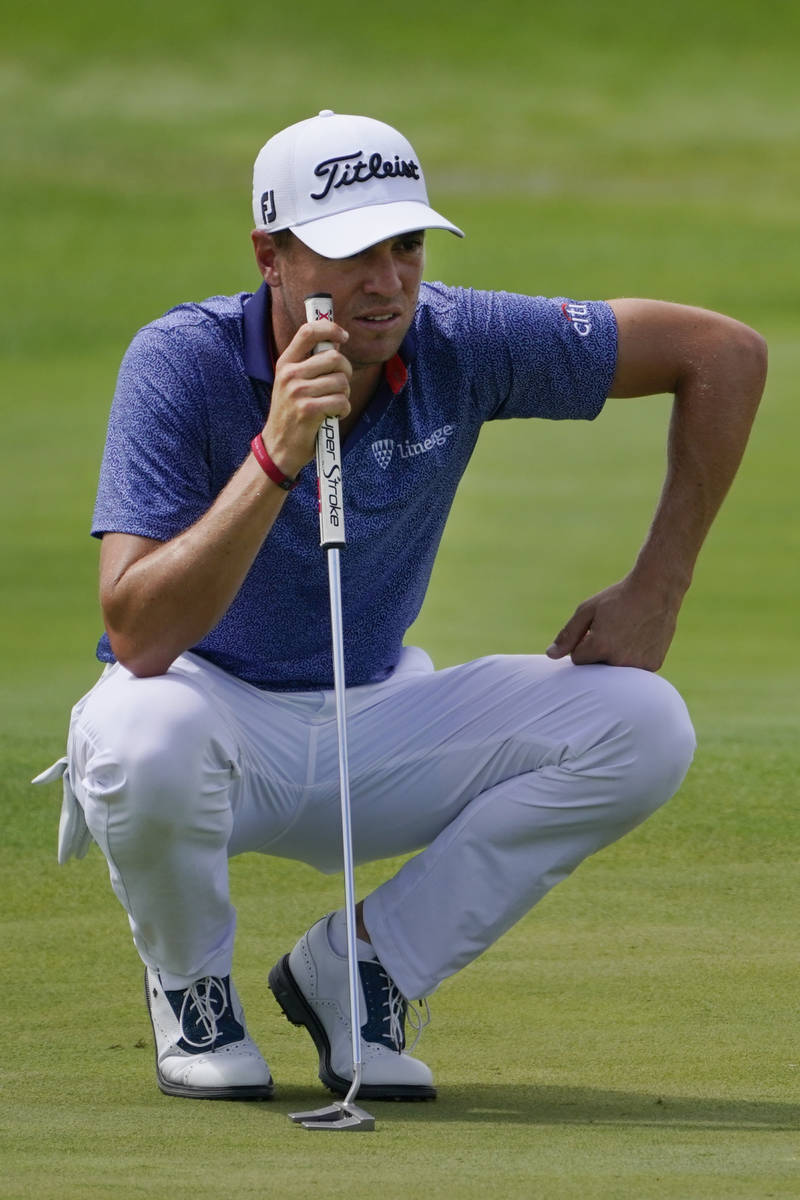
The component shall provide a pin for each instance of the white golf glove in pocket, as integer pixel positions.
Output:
(74, 837)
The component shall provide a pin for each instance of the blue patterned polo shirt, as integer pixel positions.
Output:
(194, 389)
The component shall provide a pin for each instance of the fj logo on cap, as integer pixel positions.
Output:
(347, 169)
(268, 210)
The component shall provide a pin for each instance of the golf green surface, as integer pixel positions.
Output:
(636, 1035)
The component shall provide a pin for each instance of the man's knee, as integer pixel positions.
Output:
(153, 749)
(652, 726)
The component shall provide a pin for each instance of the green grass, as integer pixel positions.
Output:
(635, 1036)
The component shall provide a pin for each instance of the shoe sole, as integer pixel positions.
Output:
(296, 1008)
(259, 1091)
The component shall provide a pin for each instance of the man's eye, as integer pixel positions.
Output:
(411, 243)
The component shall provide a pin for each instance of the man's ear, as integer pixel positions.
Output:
(267, 257)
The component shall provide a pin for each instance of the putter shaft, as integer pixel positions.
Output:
(334, 584)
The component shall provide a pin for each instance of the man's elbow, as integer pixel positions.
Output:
(143, 661)
(760, 355)
(752, 355)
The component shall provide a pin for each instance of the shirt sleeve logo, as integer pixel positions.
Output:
(578, 317)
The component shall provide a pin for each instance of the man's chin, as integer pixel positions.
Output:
(373, 349)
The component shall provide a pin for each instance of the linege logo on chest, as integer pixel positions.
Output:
(385, 448)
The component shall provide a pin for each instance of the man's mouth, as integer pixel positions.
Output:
(382, 318)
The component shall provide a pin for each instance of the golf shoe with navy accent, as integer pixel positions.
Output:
(312, 987)
(203, 1049)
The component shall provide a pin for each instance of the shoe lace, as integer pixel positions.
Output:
(401, 1010)
(418, 1015)
(208, 998)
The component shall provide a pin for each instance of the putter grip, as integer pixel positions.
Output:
(329, 455)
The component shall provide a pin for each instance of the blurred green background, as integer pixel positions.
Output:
(622, 1039)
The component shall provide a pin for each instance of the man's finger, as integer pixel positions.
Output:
(586, 651)
(570, 636)
(311, 387)
(309, 335)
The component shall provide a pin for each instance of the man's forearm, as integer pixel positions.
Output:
(159, 599)
(715, 404)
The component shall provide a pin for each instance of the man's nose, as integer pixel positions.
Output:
(382, 277)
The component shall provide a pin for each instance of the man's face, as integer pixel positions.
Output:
(374, 293)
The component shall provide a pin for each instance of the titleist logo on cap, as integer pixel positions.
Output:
(347, 169)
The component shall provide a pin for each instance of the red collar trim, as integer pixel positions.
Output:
(395, 374)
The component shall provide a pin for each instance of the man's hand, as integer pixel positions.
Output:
(308, 388)
(626, 625)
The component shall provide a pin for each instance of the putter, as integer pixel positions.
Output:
(343, 1114)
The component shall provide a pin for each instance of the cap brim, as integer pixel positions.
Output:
(346, 233)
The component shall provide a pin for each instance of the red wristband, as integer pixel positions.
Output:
(268, 466)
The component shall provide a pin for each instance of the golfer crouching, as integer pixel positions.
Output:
(212, 729)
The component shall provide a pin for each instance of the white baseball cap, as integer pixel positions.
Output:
(341, 184)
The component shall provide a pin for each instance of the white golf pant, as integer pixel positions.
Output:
(505, 773)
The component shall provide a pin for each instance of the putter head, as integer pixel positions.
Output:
(342, 1115)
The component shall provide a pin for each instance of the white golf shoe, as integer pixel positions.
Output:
(311, 986)
(203, 1049)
